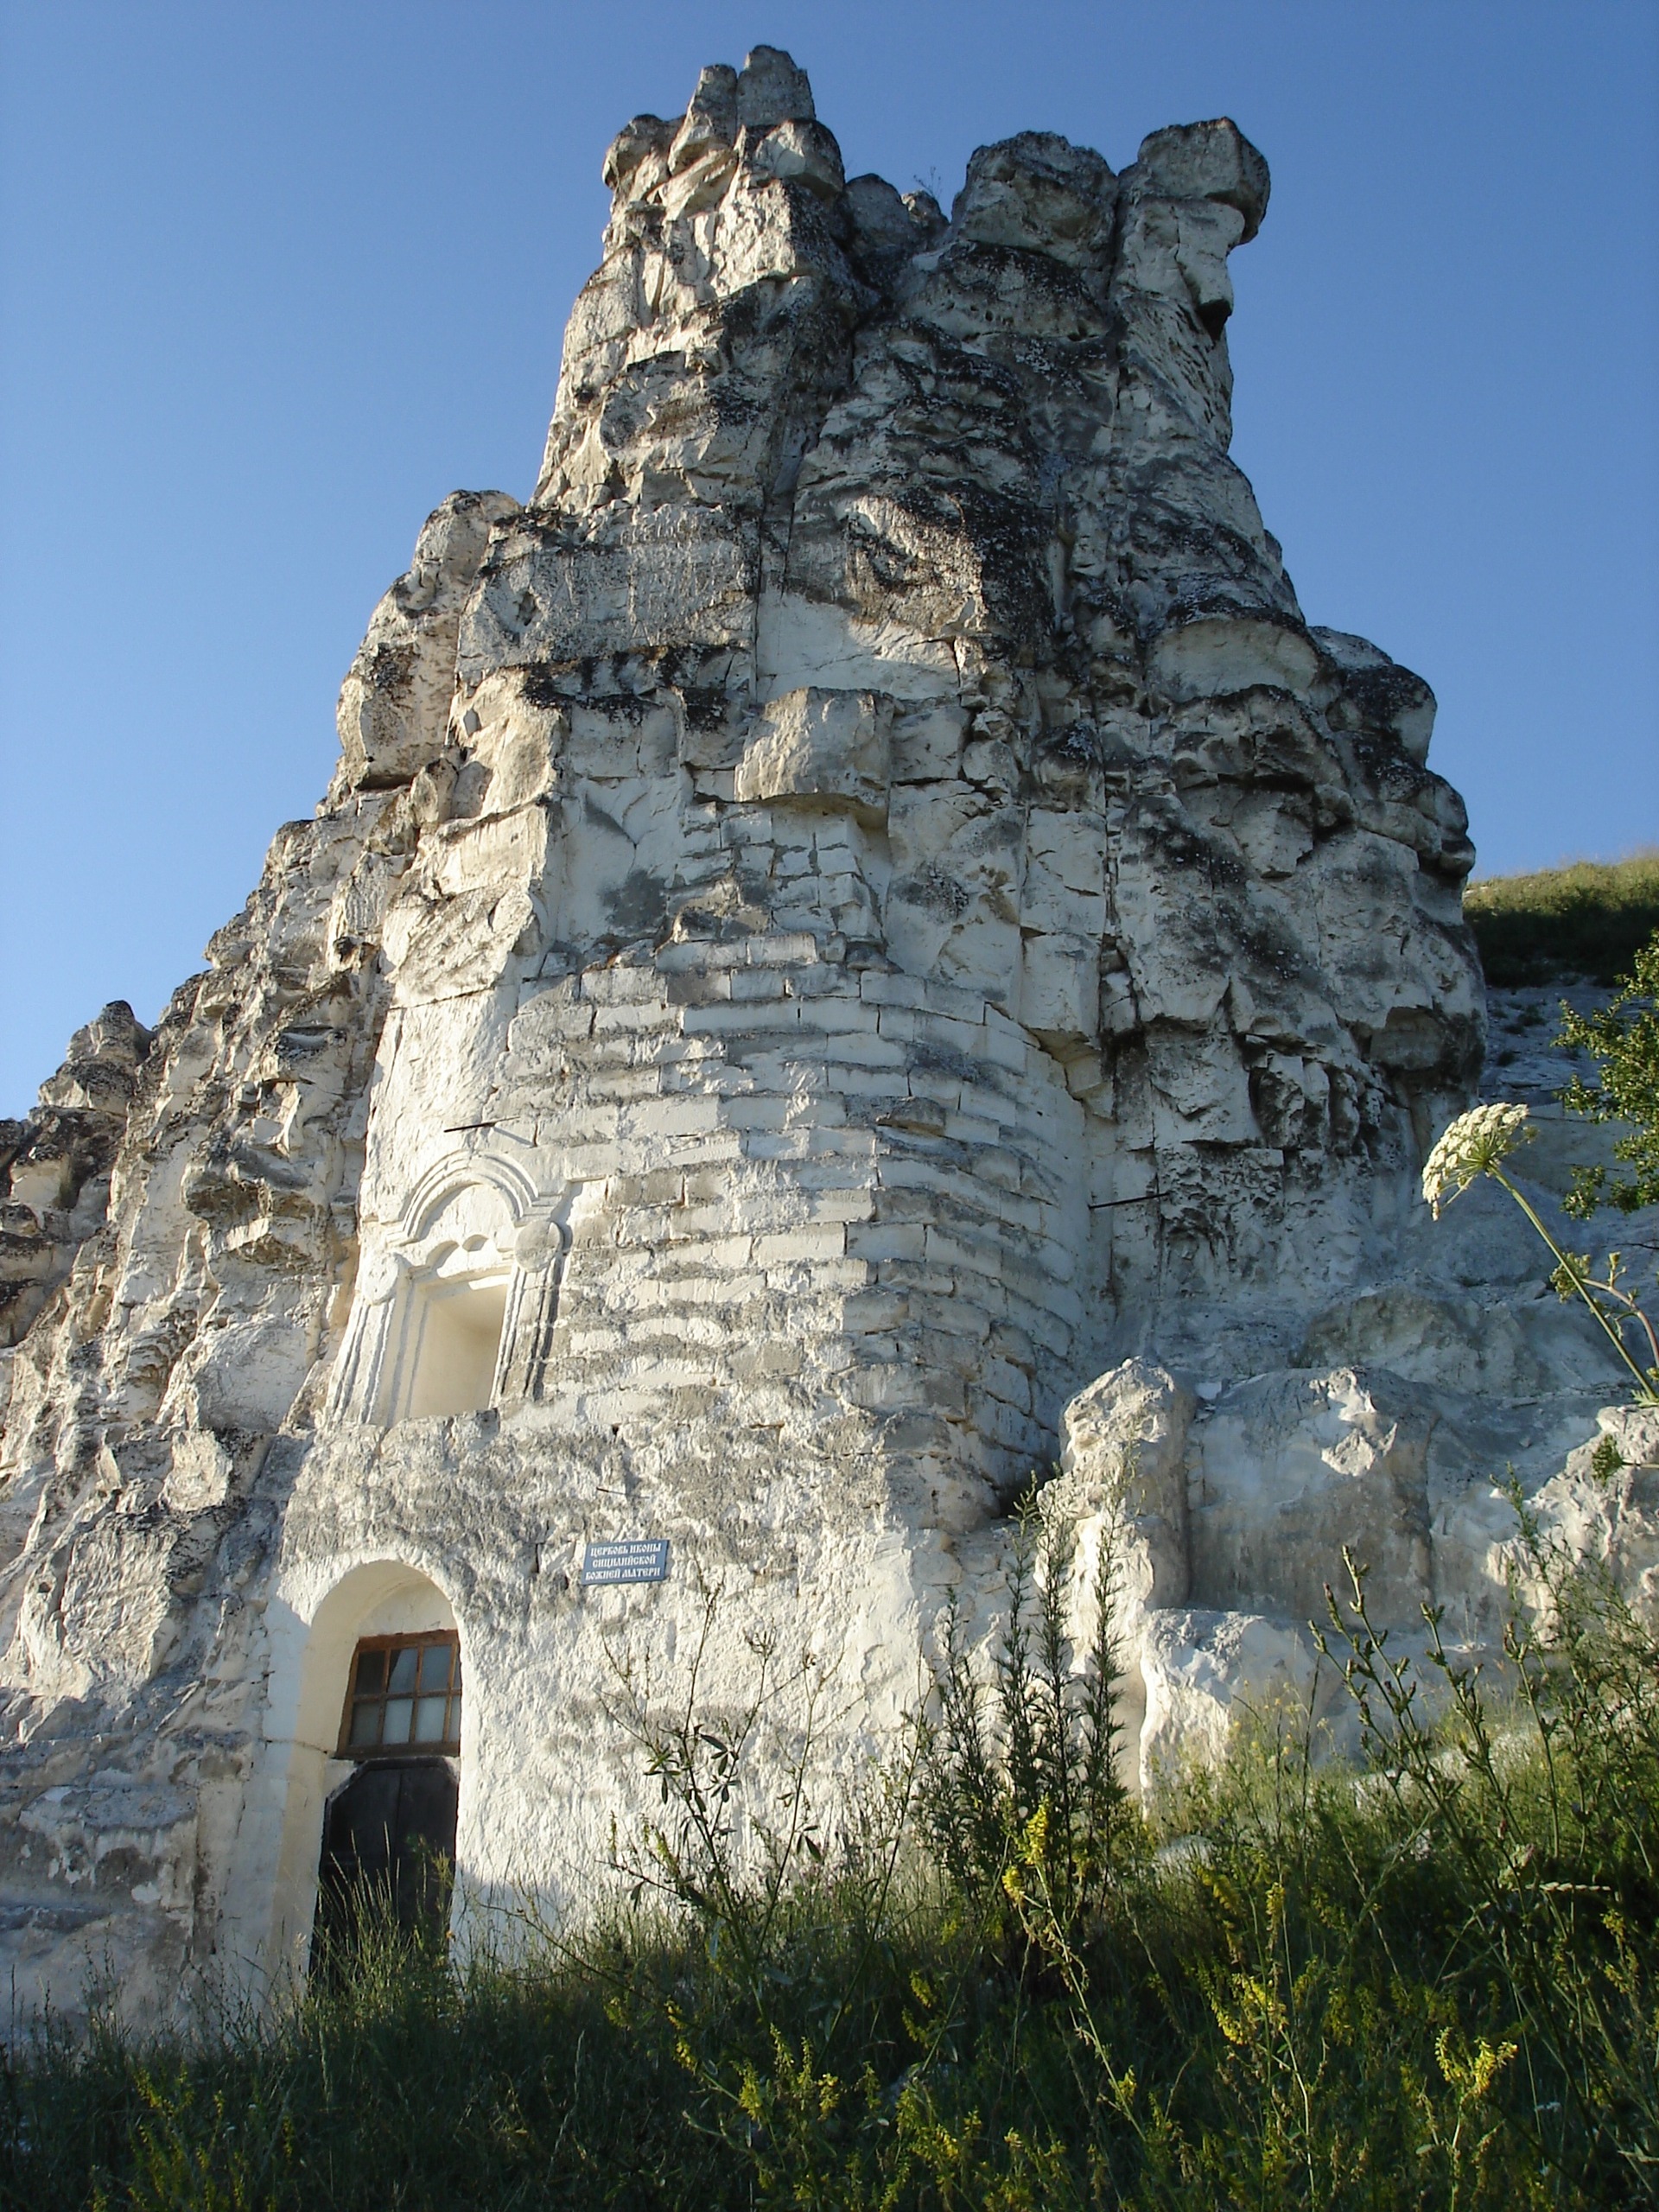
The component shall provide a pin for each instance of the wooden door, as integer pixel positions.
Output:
(389, 1848)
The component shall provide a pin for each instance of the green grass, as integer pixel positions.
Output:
(1433, 1981)
(1589, 919)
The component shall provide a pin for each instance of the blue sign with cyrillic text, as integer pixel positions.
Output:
(639, 1559)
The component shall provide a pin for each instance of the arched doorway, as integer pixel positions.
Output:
(329, 1721)
(388, 1833)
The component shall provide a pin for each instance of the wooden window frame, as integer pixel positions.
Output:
(449, 1747)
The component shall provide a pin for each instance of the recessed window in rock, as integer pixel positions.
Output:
(452, 1343)
(404, 1695)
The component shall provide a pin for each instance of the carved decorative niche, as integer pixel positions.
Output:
(452, 1313)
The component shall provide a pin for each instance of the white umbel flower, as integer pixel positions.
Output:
(1476, 1142)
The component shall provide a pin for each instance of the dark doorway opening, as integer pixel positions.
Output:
(388, 1854)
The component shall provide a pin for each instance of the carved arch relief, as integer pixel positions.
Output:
(453, 1308)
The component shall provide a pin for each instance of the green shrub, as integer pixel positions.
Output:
(1019, 1785)
(1589, 918)
(1623, 1040)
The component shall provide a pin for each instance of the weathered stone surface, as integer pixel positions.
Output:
(1205, 1672)
(57, 1161)
(859, 944)
(395, 701)
(814, 745)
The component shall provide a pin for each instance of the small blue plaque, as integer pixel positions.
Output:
(637, 1559)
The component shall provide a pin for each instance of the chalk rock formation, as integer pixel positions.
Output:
(57, 1161)
(860, 909)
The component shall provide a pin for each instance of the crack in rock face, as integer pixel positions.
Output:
(859, 946)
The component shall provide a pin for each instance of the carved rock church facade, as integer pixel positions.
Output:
(860, 945)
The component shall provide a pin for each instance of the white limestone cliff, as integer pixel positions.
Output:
(859, 946)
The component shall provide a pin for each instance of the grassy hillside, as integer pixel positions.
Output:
(1586, 919)
(994, 1984)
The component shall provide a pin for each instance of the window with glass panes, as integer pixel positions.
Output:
(404, 1695)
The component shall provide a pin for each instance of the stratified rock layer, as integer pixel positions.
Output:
(861, 913)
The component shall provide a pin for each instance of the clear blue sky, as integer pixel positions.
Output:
(276, 277)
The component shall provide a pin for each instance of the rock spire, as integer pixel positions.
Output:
(859, 943)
